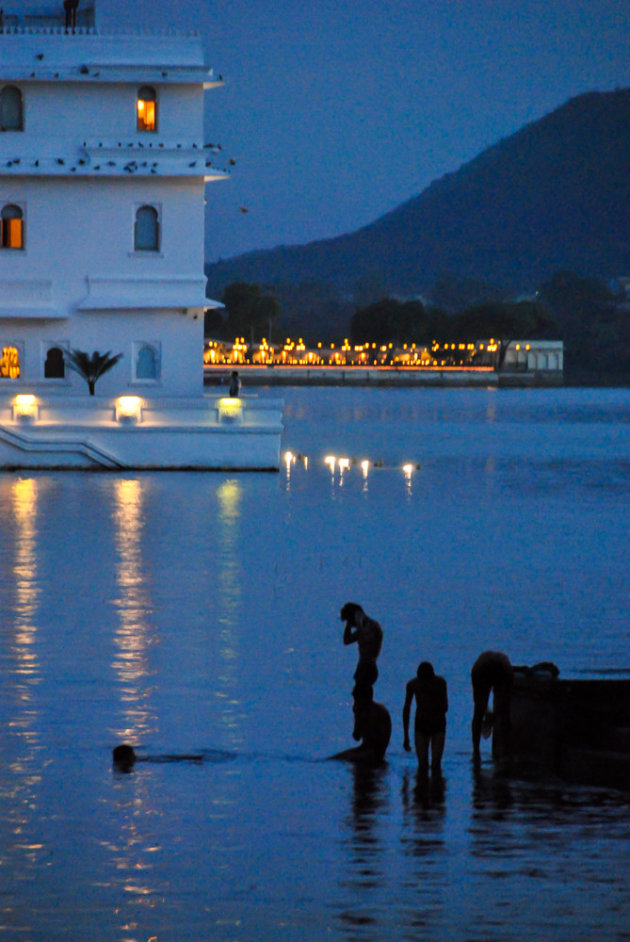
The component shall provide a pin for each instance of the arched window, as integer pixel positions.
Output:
(11, 227)
(147, 109)
(9, 362)
(146, 230)
(11, 109)
(54, 367)
(147, 362)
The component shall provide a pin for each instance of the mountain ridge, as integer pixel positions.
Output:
(554, 195)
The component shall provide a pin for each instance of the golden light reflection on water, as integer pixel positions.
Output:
(24, 505)
(24, 674)
(230, 495)
(131, 857)
(341, 468)
(229, 591)
(133, 637)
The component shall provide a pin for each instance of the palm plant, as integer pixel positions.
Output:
(90, 366)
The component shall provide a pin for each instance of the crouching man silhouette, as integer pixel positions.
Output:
(372, 725)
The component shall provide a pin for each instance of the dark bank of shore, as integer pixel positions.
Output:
(586, 378)
(381, 376)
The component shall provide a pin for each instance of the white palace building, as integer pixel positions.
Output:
(103, 169)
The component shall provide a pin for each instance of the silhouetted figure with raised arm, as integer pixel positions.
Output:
(368, 635)
(372, 725)
(430, 722)
(492, 672)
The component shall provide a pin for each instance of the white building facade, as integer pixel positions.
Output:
(535, 356)
(103, 170)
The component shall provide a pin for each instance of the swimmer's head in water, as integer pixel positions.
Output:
(350, 611)
(124, 757)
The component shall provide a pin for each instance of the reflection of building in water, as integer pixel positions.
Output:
(21, 676)
(229, 592)
(133, 637)
(229, 495)
(133, 854)
(24, 494)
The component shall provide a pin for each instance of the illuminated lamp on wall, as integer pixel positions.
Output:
(25, 409)
(129, 410)
(230, 410)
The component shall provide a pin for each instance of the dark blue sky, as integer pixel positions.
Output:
(339, 110)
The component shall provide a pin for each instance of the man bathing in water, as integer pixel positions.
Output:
(492, 671)
(368, 635)
(373, 726)
(430, 723)
(124, 757)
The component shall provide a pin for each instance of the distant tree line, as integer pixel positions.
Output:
(414, 322)
(591, 318)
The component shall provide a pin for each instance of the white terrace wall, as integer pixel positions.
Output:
(79, 170)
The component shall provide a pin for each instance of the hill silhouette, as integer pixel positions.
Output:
(553, 196)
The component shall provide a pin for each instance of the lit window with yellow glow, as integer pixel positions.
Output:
(9, 363)
(11, 227)
(147, 109)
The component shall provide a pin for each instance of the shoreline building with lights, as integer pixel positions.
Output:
(103, 169)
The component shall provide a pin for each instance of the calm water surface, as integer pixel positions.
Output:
(199, 613)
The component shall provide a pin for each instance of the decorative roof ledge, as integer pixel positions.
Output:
(129, 293)
(43, 30)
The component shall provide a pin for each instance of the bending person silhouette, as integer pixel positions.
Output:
(492, 671)
(430, 722)
(372, 725)
(368, 635)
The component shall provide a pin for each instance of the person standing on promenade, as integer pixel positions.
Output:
(235, 385)
(430, 723)
(492, 671)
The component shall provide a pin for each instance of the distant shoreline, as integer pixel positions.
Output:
(480, 377)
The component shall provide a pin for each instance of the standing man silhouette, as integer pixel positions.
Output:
(368, 635)
(430, 722)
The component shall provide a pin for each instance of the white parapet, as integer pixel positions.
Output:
(208, 432)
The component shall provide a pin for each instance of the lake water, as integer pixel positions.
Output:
(200, 613)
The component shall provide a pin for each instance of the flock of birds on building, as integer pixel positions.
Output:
(131, 166)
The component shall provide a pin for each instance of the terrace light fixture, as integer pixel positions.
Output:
(129, 410)
(230, 410)
(25, 409)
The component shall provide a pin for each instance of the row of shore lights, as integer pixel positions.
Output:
(344, 464)
(266, 350)
(268, 353)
